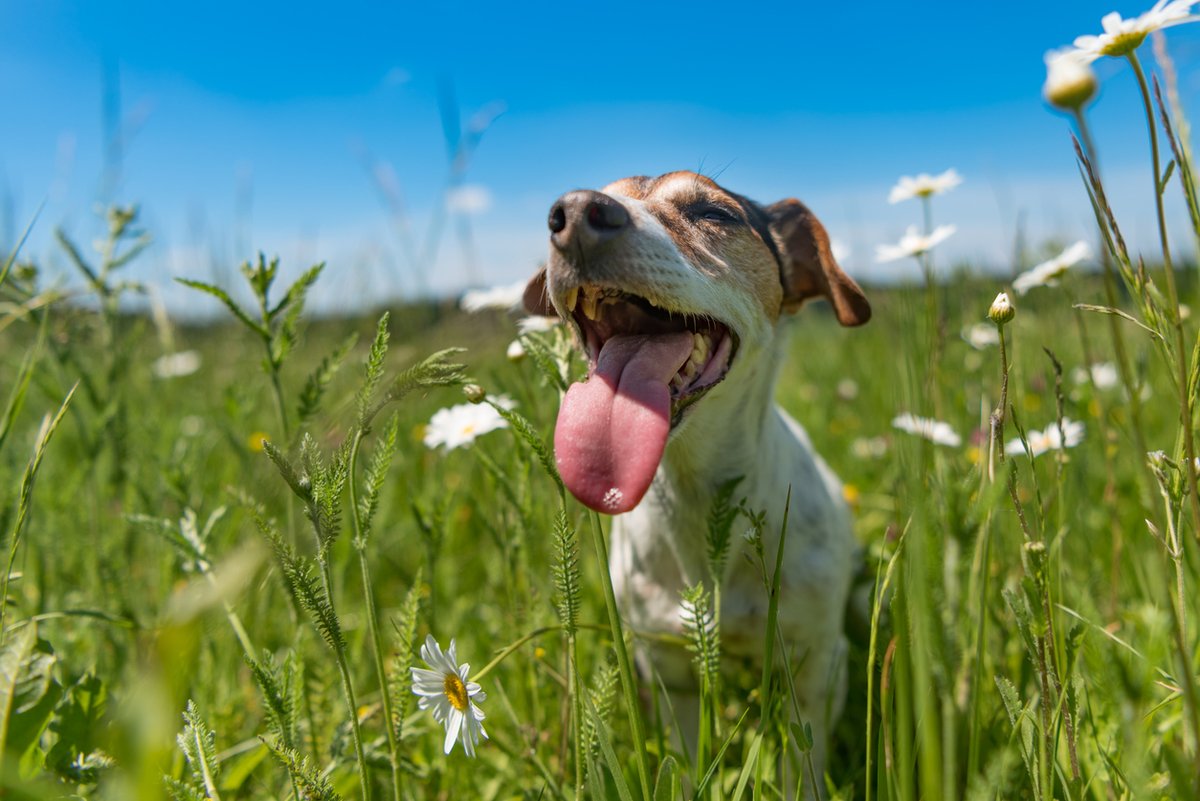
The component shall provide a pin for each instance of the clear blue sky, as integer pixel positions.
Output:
(247, 126)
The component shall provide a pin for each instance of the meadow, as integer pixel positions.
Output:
(227, 542)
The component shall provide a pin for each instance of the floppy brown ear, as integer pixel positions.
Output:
(537, 296)
(809, 269)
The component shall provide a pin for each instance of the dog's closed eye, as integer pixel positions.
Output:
(711, 212)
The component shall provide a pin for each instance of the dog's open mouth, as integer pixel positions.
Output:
(604, 313)
(646, 366)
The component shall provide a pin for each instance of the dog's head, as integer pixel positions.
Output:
(667, 282)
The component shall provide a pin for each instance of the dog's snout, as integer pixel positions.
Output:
(580, 221)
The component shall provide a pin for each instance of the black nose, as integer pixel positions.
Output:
(582, 220)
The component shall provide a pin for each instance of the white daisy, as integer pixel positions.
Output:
(176, 365)
(516, 351)
(1070, 82)
(913, 243)
(935, 431)
(537, 324)
(1048, 272)
(1122, 36)
(447, 693)
(981, 336)
(498, 297)
(1103, 375)
(1049, 440)
(924, 185)
(459, 425)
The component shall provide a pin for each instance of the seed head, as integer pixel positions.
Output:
(1002, 311)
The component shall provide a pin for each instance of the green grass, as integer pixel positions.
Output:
(113, 627)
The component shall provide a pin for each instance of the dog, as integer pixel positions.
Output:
(679, 292)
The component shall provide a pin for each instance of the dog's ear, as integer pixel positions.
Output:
(537, 296)
(809, 269)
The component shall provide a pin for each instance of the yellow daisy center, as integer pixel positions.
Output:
(1124, 43)
(456, 692)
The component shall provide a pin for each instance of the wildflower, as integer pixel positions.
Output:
(499, 297)
(1049, 440)
(1070, 82)
(1048, 272)
(913, 243)
(255, 441)
(537, 324)
(1001, 311)
(1102, 375)
(460, 425)
(176, 365)
(516, 351)
(935, 431)
(981, 336)
(446, 692)
(1122, 36)
(847, 389)
(924, 185)
(474, 393)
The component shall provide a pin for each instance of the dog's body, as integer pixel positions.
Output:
(656, 430)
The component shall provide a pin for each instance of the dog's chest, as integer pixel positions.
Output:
(659, 550)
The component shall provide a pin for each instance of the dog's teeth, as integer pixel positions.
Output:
(572, 299)
(589, 306)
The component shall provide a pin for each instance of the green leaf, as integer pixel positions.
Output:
(318, 380)
(13, 658)
(35, 698)
(313, 785)
(223, 296)
(374, 371)
(79, 262)
(667, 784)
(721, 516)
(12, 256)
(78, 722)
(525, 432)
(566, 572)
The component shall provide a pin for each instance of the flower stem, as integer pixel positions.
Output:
(1185, 407)
(1110, 295)
(360, 546)
(624, 665)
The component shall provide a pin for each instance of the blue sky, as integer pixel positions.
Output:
(253, 126)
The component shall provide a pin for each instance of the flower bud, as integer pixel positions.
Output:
(516, 351)
(474, 393)
(1002, 311)
(1070, 82)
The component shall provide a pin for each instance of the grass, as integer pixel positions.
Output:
(218, 582)
(114, 627)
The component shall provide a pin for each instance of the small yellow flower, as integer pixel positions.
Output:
(255, 441)
(851, 494)
(539, 652)
(973, 454)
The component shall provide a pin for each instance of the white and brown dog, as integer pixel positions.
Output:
(679, 292)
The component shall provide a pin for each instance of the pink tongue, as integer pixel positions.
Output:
(612, 429)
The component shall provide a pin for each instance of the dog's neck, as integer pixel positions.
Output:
(731, 433)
